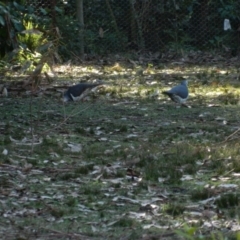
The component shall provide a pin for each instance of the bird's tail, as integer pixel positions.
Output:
(167, 93)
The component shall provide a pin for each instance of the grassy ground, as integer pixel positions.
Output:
(126, 163)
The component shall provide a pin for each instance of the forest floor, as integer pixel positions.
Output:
(125, 163)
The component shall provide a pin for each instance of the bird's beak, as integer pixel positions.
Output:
(65, 99)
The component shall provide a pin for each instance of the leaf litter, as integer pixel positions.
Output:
(114, 162)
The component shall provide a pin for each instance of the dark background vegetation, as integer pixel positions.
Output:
(122, 26)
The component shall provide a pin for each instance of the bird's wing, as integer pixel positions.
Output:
(179, 90)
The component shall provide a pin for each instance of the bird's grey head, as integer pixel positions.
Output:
(185, 83)
(66, 97)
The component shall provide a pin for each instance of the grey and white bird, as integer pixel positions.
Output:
(179, 93)
(78, 91)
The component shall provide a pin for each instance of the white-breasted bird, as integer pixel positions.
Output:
(179, 93)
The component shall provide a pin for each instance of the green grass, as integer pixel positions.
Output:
(178, 157)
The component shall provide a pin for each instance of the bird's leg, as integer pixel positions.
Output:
(185, 105)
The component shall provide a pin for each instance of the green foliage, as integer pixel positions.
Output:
(125, 222)
(24, 57)
(110, 26)
(174, 209)
(229, 98)
(93, 189)
(187, 232)
(31, 38)
(69, 44)
(84, 169)
(194, 233)
(9, 26)
(67, 176)
(93, 43)
(229, 8)
(228, 200)
(57, 212)
(97, 18)
(201, 194)
(22, 41)
(109, 43)
(71, 201)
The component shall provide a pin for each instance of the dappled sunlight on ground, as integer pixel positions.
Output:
(125, 160)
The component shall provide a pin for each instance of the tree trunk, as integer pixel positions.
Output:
(80, 19)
